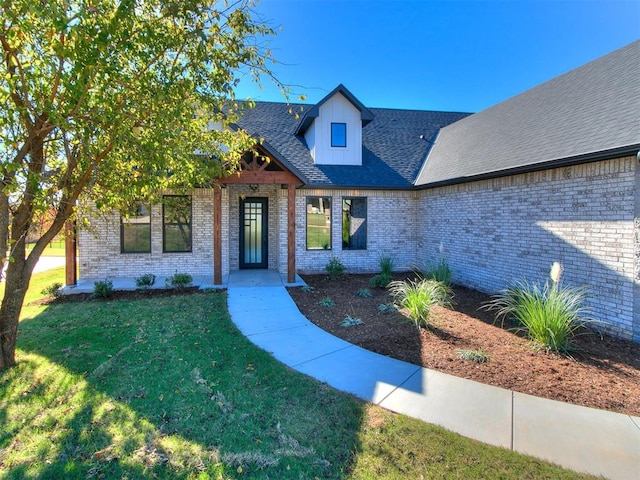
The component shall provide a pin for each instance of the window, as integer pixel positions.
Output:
(318, 223)
(338, 134)
(135, 230)
(176, 223)
(354, 223)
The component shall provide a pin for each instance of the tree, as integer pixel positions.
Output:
(103, 102)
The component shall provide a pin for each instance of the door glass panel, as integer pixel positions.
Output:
(252, 232)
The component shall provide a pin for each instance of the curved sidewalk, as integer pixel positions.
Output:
(582, 439)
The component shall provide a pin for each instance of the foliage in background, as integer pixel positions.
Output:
(418, 297)
(335, 268)
(549, 314)
(107, 102)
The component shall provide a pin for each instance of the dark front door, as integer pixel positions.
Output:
(253, 233)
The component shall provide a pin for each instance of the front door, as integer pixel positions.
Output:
(253, 233)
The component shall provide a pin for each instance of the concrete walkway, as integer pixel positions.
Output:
(582, 439)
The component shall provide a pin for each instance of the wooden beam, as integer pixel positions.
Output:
(291, 233)
(262, 177)
(70, 253)
(217, 235)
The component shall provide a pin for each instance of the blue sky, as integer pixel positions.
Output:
(450, 55)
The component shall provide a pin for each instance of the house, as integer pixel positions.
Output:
(549, 175)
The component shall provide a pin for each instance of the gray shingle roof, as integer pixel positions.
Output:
(393, 151)
(587, 111)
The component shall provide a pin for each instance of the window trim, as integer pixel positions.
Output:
(306, 226)
(164, 224)
(333, 142)
(366, 224)
(123, 224)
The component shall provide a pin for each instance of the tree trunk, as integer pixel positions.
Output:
(15, 290)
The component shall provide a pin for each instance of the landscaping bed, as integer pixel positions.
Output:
(600, 371)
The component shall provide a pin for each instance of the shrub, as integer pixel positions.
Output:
(52, 291)
(350, 321)
(380, 281)
(386, 266)
(179, 281)
(364, 293)
(477, 356)
(307, 288)
(418, 296)
(441, 272)
(145, 281)
(102, 289)
(335, 267)
(326, 302)
(549, 315)
(383, 279)
(386, 308)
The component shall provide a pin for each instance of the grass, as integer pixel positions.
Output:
(53, 249)
(549, 315)
(167, 387)
(419, 296)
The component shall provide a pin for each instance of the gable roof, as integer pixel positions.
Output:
(589, 113)
(365, 114)
(393, 150)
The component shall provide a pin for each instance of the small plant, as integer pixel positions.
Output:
(386, 308)
(146, 281)
(380, 280)
(441, 272)
(326, 302)
(307, 288)
(179, 281)
(103, 289)
(418, 296)
(386, 266)
(477, 356)
(364, 293)
(53, 290)
(350, 321)
(383, 279)
(335, 267)
(549, 314)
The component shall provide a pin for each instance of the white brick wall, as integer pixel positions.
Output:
(391, 219)
(99, 247)
(497, 231)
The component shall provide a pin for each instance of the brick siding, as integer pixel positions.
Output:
(494, 232)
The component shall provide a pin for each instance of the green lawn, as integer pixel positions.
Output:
(53, 249)
(169, 388)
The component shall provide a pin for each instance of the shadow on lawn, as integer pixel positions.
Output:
(165, 388)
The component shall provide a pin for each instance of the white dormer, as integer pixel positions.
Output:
(333, 129)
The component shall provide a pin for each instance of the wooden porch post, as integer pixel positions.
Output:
(217, 235)
(70, 252)
(291, 233)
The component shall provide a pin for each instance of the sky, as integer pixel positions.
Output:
(453, 55)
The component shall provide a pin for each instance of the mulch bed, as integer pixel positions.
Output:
(601, 371)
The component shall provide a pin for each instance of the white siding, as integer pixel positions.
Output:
(336, 110)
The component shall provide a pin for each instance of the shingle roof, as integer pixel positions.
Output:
(393, 151)
(590, 110)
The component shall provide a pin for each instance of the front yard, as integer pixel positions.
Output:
(601, 372)
(166, 387)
